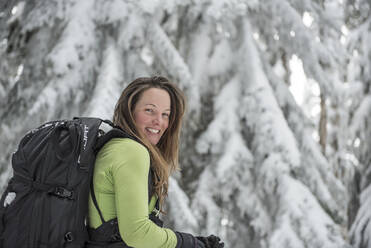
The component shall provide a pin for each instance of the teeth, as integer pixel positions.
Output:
(153, 130)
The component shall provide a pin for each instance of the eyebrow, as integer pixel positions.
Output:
(156, 106)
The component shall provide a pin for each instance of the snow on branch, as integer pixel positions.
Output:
(362, 113)
(73, 61)
(225, 122)
(315, 56)
(228, 183)
(109, 83)
(184, 219)
(316, 172)
(174, 63)
(301, 220)
(361, 227)
(276, 150)
(259, 101)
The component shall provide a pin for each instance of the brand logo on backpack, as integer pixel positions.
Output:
(85, 140)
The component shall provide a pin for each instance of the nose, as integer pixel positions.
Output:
(156, 119)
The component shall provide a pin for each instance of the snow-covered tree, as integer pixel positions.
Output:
(359, 73)
(252, 171)
(284, 157)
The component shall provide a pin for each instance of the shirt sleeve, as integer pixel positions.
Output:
(130, 178)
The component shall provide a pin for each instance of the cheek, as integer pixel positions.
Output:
(139, 119)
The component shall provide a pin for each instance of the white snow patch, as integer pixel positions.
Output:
(179, 201)
(109, 84)
(221, 60)
(225, 121)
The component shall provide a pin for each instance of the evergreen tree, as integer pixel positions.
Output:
(359, 73)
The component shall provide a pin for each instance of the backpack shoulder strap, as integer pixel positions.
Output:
(113, 133)
(95, 201)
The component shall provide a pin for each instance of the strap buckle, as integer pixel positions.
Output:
(116, 237)
(156, 211)
(63, 193)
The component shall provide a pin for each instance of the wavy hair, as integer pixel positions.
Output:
(164, 155)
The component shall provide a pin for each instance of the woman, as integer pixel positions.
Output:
(131, 175)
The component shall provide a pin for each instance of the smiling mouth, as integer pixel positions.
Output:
(151, 130)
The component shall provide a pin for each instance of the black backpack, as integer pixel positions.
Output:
(46, 202)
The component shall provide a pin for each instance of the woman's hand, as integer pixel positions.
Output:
(186, 240)
(211, 241)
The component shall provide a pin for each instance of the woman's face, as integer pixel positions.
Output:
(152, 112)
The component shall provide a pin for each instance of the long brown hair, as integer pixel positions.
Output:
(164, 155)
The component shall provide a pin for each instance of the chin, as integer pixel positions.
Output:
(153, 141)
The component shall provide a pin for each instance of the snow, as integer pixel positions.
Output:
(173, 61)
(361, 226)
(111, 11)
(65, 58)
(221, 60)
(185, 221)
(260, 102)
(303, 207)
(106, 94)
(199, 56)
(17, 12)
(80, 30)
(225, 122)
(307, 19)
(362, 113)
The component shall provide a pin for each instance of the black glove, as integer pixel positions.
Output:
(211, 241)
(186, 240)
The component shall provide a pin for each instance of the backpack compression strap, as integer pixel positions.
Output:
(48, 188)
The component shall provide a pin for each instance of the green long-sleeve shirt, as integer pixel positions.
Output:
(121, 188)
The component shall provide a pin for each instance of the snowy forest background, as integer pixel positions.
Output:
(276, 148)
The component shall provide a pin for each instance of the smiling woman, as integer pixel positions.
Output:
(131, 174)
